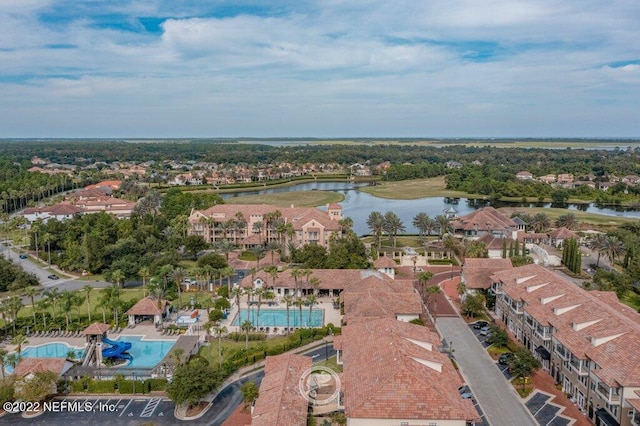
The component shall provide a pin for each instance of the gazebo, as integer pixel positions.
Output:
(148, 309)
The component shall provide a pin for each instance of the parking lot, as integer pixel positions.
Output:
(117, 411)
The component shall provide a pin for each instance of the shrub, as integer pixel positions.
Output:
(103, 386)
(156, 384)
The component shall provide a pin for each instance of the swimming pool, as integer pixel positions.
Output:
(146, 353)
(278, 318)
(51, 350)
(48, 350)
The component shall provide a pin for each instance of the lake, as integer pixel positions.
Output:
(357, 205)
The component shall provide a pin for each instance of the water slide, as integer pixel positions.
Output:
(116, 350)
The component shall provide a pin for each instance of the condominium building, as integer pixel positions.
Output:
(587, 340)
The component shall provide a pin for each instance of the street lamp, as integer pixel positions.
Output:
(326, 350)
(451, 348)
(134, 382)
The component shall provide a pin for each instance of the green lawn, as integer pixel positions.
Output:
(412, 189)
(331, 363)
(286, 199)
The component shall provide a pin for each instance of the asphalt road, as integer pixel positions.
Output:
(500, 403)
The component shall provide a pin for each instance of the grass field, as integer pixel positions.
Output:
(585, 217)
(286, 199)
(412, 189)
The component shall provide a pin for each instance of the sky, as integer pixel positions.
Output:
(326, 68)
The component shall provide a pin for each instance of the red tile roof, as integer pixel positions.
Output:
(562, 234)
(384, 262)
(393, 370)
(96, 329)
(33, 365)
(148, 306)
(591, 324)
(484, 219)
(280, 401)
(477, 272)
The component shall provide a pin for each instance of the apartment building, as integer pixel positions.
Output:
(257, 224)
(587, 340)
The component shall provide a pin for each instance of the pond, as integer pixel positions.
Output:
(357, 205)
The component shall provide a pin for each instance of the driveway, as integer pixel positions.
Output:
(500, 403)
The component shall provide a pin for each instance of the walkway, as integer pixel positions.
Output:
(498, 399)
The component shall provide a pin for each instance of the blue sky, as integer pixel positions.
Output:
(330, 68)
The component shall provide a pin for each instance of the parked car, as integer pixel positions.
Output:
(505, 358)
(465, 392)
(53, 277)
(485, 331)
(480, 325)
(23, 256)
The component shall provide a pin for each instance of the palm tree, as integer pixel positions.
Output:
(568, 220)
(178, 276)
(423, 277)
(42, 305)
(273, 273)
(299, 303)
(220, 331)
(236, 292)
(295, 274)
(32, 292)
(14, 304)
(288, 300)
(393, 225)
(225, 247)
(258, 251)
(19, 340)
(613, 247)
(311, 300)
(443, 222)
(596, 244)
(228, 272)
(68, 302)
(12, 360)
(421, 223)
(46, 238)
(272, 246)
(3, 360)
(144, 274)
(258, 227)
(259, 292)
(375, 222)
(111, 299)
(117, 277)
(539, 222)
(87, 295)
(430, 292)
(246, 327)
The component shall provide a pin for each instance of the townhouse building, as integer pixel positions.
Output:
(587, 340)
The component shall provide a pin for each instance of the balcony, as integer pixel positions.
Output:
(562, 353)
(611, 395)
(543, 334)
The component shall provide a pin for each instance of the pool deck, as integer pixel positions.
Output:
(331, 315)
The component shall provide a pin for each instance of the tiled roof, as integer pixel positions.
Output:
(329, 278)
(562, 234)
(477, 272)
(298, 216)
(96, 329)
(492, 242)
(484, 219)
(590, 324)
(148, 306)
(280, 401)
(33, 365)
(393, 370)
(380, 304)
(384, 262)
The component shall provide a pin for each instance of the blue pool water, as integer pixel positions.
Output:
(146, 353)
(48, 350)
(51, 350)
(278, 317)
